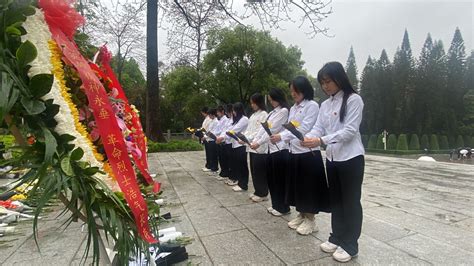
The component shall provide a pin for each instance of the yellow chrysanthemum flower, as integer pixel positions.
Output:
(295, 123)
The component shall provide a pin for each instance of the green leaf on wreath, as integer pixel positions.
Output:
(66, 166)
(50, 143)
(33, 107)
(28, 11)
(77, 154)
(26, 53)
(13, 31)
(91, 171)
(66, 138)
(41, 84)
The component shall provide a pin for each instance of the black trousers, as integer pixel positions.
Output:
(345, 185)
(239, 167)
(307, 188)
(206, 150)
(258, 168)
(223, 157)
(212, 155)
(277, 165)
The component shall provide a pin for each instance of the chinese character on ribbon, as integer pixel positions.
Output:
(103, 114)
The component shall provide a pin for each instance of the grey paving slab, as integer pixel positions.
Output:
(433, 251)
(239, 247)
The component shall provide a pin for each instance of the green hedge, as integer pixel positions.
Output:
(365, 140)
(452, 141)
(468, 141)
(434, 145)
(402, 143)
(443, 143)
(459, 142)
(175, 145)
(380, 142)
(372, 142)
(392, 142)
(414, 142)
(424, 142)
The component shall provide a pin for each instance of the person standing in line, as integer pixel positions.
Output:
(211, 142)
(238, 164)
(205, 126)
(258, 156)
(338, 128)
(306, 180)
(277, 153)
(221, 153)
(226, 173)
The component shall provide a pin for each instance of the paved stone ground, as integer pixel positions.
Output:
(414, 213)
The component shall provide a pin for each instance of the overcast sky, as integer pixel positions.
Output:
(370, 26)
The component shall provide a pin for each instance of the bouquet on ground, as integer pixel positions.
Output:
(231, 134)
(292, 126)
(243, 138)
(266, 126)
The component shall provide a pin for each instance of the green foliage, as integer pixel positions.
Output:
(443, 143)
(351, 69)
(380, 144)
(434, 145)
(414, 142)
(468, 141)
(372, 142)
(365, 140)
(174, 145)
(402, 143)
(424, 142)
(392, 142)
(459, 142)
(452, 142)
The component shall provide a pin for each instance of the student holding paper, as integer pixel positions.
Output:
(211, 137)
(306, 180)
(205, 126)
(221, 149)
(338, 127)
(258, 156)
(239, 178)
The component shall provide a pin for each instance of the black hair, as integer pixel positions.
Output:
(239, 112)
(259, 100)
(302, 85)
(205, 110)
(335, 72)
(213, 112)
(279, 96)
(220, 109)
(229, 108)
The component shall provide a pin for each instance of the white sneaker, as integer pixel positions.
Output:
(220, 178)
(270, 209)
(293, 224)
(232, 183)
(306, 227)
(251, 195)
(328, 247)
(212, 173)
(206, 170)
(277, 213)
(258, 199)
(236, 188)
(341, 255)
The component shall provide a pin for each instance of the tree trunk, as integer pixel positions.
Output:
(153, 130)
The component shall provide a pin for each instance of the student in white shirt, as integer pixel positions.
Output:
(221, 153)
(258, 156)
(307, 188)
(277, 160)
(211, 132)
(338, 128)
(225, 140)
(239, 177)
(205, 126)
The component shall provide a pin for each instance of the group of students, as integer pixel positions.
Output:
(291, 169)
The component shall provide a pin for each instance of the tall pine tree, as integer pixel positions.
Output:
(456, 68)
(383, 93)
(351, 69)
(468, 99)
(368, 87)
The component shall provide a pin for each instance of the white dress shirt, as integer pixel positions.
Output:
(212, 127)
(226, 127)
(276, 119)
(221, 125)
(205, 123)
(240, 126)
(305, 113)
(343, 139)
(254, 126)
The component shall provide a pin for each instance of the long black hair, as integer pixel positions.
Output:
(239, 112)
(259, 100)
(302, 85)
(279, 96)
(335, 72)
(229, 108)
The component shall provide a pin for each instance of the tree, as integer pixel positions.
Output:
(383, 103)
(456, 88)
(351, 69)
(368, 91)
(242, 61)
(402, 144)
(153, 129)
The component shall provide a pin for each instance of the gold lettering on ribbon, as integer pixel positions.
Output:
(116, 153)
(112, 139)
(103, 114)
(121, 166)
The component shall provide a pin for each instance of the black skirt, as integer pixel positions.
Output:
(307, 187)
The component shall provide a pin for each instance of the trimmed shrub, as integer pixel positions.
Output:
(414, 142)
(434, 145)
(443, 143)
(402, 144)
(365, 140)
(175, 145)
(424, 142)
(392, 142)
(468, 141)
(459, 142)
(452, 141)
(380, 142)
(372, 142)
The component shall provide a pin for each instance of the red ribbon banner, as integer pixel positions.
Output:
(106, 121)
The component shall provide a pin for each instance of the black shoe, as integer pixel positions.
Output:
(177, 255)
